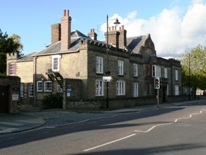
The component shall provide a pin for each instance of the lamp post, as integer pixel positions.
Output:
(107, 69)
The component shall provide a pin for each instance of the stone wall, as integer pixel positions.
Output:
(100, 104)
(12, 93)
(95, 105)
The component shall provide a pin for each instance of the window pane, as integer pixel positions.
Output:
(135, 70)
(48, 86)
(12, 69)
(99, 65)
(135, 89)
(176, 75)
(120, 88)
(176, 90)
(99, 88)
(39, 86)
(22, 90)
(30, 90)
(154, 71)
(120, 67)
(55, 62)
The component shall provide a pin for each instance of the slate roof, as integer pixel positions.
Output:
(133, 45)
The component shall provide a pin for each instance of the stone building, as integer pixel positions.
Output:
(76, 65)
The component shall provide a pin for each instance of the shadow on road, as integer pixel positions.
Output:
(119, 121)
(150, 151)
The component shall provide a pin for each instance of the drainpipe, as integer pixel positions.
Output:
(34, 81)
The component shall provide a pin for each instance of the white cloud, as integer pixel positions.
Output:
(172, 31)
(197, 1)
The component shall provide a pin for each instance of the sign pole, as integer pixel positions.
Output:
(158, 100)
(157, 87)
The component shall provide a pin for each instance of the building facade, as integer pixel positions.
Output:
(77, 65)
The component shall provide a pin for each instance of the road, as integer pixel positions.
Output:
(167, 130)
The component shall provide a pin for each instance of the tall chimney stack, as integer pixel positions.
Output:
(113, 36)
(65, 31)
(122, 37)
(56, 33)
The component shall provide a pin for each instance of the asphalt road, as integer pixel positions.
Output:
(170, 130)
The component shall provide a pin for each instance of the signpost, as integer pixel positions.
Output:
(107, 78)
(157, 86)
(69, 92)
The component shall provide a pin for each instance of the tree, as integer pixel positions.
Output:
(8, 45)
(194, 68)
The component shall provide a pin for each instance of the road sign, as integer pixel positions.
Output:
(107, 78)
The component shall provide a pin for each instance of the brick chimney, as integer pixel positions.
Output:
(122, 37)
(56, 33)
(113, 36)
(92, 34)
(65, 31)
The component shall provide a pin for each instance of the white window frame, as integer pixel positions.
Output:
(176, 75)
(135, 70)
(39, 86)
(47, 86)
(99, 65)
(56, 63)
(12, 69)
(21, 90)
(176, 90)
(99, 88)
(165, 73)
(154, 70)
(135, 89)
(120, 67)
(30, 90)
(120, 88)
(59, 89)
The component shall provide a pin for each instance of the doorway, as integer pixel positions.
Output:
(4, 99)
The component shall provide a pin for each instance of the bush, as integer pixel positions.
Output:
(52, 101)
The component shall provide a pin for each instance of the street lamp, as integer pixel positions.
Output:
(107, 71)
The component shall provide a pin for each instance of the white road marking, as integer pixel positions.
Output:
(176, 120)
(143, 131)
(150, 129)
(114, 141)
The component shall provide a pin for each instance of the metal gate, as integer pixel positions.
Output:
(4, 99)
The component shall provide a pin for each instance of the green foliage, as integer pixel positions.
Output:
(52, 101)
(8, 45)
(2, 63)
(194, 68)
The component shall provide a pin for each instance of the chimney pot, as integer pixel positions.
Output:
(92, 34)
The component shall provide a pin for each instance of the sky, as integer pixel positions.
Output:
(175, 26)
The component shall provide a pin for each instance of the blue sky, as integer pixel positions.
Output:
(175, 26)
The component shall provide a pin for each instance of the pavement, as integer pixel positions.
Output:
(28, 120)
